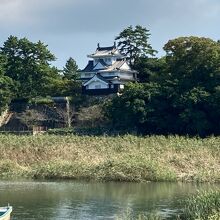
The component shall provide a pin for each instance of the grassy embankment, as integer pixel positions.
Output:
(122, 158)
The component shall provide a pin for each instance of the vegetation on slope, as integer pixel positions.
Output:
(121, 158)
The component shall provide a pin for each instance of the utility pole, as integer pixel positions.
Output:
(68, 112)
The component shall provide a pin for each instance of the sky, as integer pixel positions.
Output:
(72, 28)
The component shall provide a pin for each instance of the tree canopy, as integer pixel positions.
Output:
(194, 61)
(70, 69)
(133, 43)
(183, 97)
(149, 68)
(176, 94)
(6, 86)
(28, 65)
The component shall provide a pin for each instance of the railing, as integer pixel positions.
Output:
(24, 131)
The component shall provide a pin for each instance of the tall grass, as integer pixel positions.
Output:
(204, 206)
(142, 216)
(121, 158)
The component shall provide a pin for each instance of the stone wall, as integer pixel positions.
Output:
(3, 117)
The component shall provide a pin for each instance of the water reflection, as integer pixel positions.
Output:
(82, 200)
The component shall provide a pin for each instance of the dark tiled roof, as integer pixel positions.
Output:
(115, 66)
(106, 52)
(85, 78)
(104, 64)
(89, 67)
(106, 68)
(106, 48)
(106, 78)
(98, 76)
(102, 78)
(101, 53)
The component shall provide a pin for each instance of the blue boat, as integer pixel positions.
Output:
(5, 212)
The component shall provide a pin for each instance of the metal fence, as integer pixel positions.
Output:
(35, 130)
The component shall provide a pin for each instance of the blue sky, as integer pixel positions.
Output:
(72, 28)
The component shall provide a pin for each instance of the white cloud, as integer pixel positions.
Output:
(10, 11)
(102, 15)
(55, 21)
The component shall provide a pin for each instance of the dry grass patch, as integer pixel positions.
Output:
(121, 158)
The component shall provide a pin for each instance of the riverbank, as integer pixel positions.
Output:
(103, 158)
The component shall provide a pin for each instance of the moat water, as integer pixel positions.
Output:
(56, 200)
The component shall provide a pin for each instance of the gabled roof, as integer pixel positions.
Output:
(100, 65)
(96, 77)
(106, 48)
(118, 66)
(106, 52)
(89, 67)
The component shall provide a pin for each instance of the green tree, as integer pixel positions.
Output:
(149, 68)
(70, 69)
(28, 64)
(6, 86)
(72, 87)
(133, 43)
(146, 108)
(183, 98)
(194, 61)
